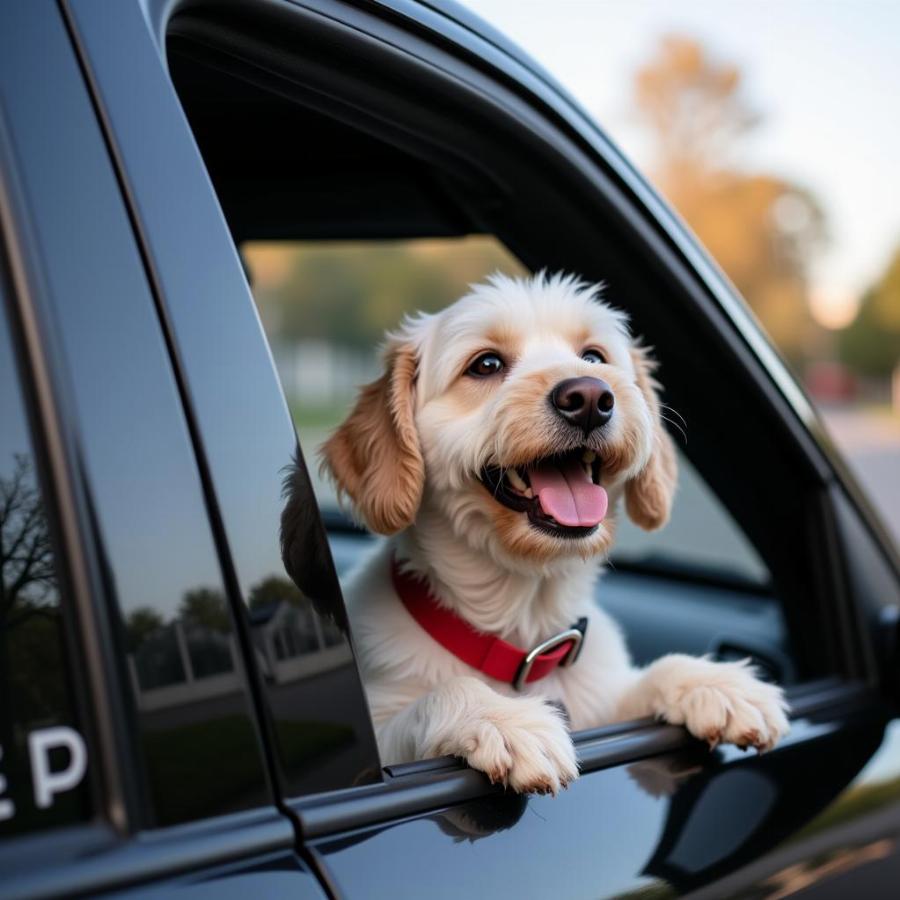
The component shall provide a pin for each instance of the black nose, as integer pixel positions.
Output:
(585, 402)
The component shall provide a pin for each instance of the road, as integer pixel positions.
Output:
(870, 441)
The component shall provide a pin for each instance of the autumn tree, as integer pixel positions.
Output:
(763, 230)
(349, 293)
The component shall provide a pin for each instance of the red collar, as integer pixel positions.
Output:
(489, 654)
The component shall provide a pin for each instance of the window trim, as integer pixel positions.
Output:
(418, 787)
(89, 859)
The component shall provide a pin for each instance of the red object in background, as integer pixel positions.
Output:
(831, 382)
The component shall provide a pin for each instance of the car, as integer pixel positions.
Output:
(177, 717)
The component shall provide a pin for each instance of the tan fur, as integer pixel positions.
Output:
(466, 395)
(374, 456)
(505, 338)
(649, 495)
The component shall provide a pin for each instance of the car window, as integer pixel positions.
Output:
(44, 763)
(325, 307)
(345, 222)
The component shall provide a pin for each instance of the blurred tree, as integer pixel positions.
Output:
(871, 343)
(140, 624)
(206, 607)
(273, 590)
(350, 293)
(762, 230)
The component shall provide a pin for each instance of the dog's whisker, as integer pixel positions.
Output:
(674, 424)
(674, 412)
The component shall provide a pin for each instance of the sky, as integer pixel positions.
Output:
(825, 75)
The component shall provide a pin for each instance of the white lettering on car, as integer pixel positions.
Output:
(46, 782)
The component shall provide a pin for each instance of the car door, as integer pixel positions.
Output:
(132, 758)
(487, 144)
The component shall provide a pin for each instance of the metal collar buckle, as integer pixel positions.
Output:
(574, 634)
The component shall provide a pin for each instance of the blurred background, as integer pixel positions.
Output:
(771, 127)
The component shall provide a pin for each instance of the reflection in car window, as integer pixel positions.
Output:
(325, 307)
(44, 765)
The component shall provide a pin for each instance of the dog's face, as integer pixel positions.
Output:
(515, 413)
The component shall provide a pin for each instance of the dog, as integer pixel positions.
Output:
(495, 450)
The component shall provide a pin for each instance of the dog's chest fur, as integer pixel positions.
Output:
(400, 662)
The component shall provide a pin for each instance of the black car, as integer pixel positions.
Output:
(177, 717)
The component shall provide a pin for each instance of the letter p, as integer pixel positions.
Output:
(48, 783)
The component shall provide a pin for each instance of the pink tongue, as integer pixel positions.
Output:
(566, 492)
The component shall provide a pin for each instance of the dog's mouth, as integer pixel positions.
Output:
(560, 494)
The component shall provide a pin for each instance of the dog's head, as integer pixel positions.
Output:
(518, 414)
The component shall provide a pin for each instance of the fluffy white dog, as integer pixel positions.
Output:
(495, 449)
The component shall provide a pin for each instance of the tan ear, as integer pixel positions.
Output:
(649, 495)
(374, 456)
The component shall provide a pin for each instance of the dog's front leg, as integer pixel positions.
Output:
(716, 701)
(521, 742)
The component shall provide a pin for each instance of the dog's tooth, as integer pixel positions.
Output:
(588, 471)
(515, 479)
(588, 456)
(529, 493)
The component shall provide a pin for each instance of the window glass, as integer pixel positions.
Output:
(43, 755)
(325, 307)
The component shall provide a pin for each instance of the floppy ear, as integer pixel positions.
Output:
(374, 456)
(649, 495)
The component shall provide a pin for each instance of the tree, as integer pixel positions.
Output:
(273, 590)
(693, 106)
(351, 293)
(141, 624)
(32, 682)
(206, 607)
(871, 343)
(763, 230)
(27, 572)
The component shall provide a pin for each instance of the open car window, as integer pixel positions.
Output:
(326, 306)
(347, 216)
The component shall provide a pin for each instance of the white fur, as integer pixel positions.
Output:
(424, 700)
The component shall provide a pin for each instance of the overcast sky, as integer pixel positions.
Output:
(824, 74)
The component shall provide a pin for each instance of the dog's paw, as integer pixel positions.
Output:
(723, 703)
(522, 743)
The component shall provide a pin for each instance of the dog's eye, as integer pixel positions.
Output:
(485, 365)
(593, 356)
